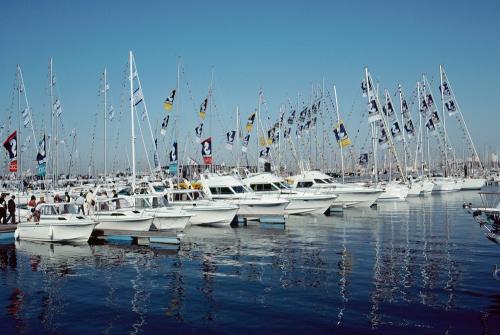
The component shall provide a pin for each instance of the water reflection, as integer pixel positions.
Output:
(356, 271)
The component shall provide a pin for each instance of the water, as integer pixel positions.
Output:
(417, 267)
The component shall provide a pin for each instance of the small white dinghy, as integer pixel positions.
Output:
(55, 223)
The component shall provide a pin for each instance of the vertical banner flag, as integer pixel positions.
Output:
(206, 150)
(363, 159)
(230, 135)
(264, 155)
(156, 158)
(383, 140)
(341, 135)
(250, 122)
(169, 101)
(396, 131)
(198, 131)
(40, 158)
(203, 109)
(164, 125)
(246, 139)
(10, 145)
(173, 159)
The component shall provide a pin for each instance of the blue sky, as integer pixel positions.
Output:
(282, 46)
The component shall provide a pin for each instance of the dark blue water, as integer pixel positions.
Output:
(420, 267)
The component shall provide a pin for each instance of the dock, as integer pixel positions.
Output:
(140, 237)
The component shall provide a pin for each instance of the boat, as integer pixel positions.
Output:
(300, 202)
(445, 184)
(348, 195)
(165, 217)
(118, 214)
(473, 183)
(55, 223)
(230, 189)
(394, 191)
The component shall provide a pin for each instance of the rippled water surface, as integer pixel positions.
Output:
(419, 267)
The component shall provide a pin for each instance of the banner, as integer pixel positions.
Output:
(206, 150)
(341, 135)
(169, 101)
(198, 131)
(230, 135)
(246, 139)
(250, 121)
(172, 168)
(10, 144)
(264, 155)
(40, 158)
(203, 109)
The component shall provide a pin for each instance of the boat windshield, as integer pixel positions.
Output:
(330, 180)
(142, 203)
(281, 186)
(159, 188)
(239, 189)
(112, 204)
(320, 181)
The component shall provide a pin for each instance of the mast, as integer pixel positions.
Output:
(237, 138)
(105, 119)
(402, 125)
(373, 130)
(132, 124)
(444, 122)
(19, 138)
(176, 128)
(338, 121)
(51, 85)
(257, 121)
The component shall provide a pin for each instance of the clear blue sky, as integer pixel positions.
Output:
(281, 46)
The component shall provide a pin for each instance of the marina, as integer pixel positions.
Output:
(249, 167)
(415, 266)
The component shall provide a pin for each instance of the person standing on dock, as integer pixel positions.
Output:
(3, 209)
(80, 201)
(32, 202)
(90, 200)
(11, 206)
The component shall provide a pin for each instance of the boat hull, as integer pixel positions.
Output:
(74, 232)
(309, 205)
(142, 223)
(473, 183)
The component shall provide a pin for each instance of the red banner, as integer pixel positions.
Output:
(10, 144)
(13, 166)
(207, 159)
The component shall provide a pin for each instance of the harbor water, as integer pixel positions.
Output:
(417, 267)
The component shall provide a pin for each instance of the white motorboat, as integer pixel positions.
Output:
(117, 214)
(55, 223)
(348, 195)
(394, 191)
(300, 202)
(165, 217)
(230, 189)
(202, 210)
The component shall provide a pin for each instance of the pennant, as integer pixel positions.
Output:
(230, 135)
(10, 144)
(156, 158)
(373, 111)
(203, 109)
(396, 131)
(250, 121)
(27, 141)
(363, 159)
(264, 155)
(199, 131)
(430, 101)
(388, 109)
(40, 156)
(164, 124)
(430, 125)
(57, 107)
(26, 117)
(172, 168)
(435, 118)
(451, 107)
(302, 115)
(341, 135)
(169, 101)
(286, 132)
(137, 96)
(206, 150)
(409, 129)
(246, 139)
(383, 140)
(445, 89)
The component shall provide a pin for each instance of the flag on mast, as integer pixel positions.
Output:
(203, 109)
(40, 158)
(246, 139)
(10, 144)
(199, 131)
(206, 150)
(341, 135)
(230, 136)
(250, 121)
(173, 159)
(169, 101)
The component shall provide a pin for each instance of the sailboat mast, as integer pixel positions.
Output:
(18, 146)
(372, 125)
(176, 128)
(237, 138)
(105, 119)
(444, 122)
(403, 125)
(51, 85)
(132, 124)
(338, 122)
(257, 120)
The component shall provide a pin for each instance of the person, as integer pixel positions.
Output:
(32, 202)
(115, 199)
(3, 209)
(80, 201)
(11, 207)
(67, 198)
(42, 201)
(90, 201)
(57, 198)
